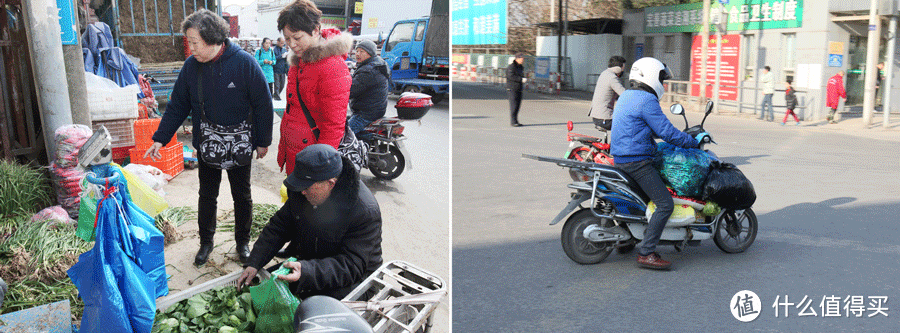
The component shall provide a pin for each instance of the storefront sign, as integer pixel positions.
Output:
(478, 22)
(835, 48)
(67, 22)
(835, 60)
(542, 67)
(336, 21)
(743, 15)
(728, 73)
(460, 59)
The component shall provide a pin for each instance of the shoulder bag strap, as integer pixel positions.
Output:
(309, 118)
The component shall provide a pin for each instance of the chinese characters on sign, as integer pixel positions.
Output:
(758, 14)
(478, 22)
(830, 306)
(728, 73)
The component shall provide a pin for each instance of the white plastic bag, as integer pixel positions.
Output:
(150, 175)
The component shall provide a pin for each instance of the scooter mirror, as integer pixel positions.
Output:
(709, 107)
(676, 109)
(570, 125)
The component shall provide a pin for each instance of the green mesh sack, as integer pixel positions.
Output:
(682, 169)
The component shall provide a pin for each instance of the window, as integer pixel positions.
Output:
(401, 33)
(669, 46)
(648, 46)
(420, 31)
(790, 57)
(750, 50)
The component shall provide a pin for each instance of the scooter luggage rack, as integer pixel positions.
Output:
(398, 297)
(567, 163)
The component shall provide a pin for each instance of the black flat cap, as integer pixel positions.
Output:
(314, 163)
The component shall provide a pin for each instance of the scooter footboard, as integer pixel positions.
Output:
(398, 297)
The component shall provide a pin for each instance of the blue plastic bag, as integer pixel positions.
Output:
(683, 169)
(119, 278)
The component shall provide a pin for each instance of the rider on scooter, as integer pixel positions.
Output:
(637, 121)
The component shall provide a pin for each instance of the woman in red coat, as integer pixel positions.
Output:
(835, 89)
(318, 72)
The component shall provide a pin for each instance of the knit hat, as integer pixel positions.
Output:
(368, 46)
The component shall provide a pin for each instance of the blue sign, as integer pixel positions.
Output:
(67, 22)
(835, 60)
(638, 51)
(724, 2)
(542, 68)
(478, 22)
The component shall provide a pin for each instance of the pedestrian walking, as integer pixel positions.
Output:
(836, 91)
(225, 91)
(515, 76)
(768, 81)
(318, 84)
(266, 58)
(790, 102)
(280, 68)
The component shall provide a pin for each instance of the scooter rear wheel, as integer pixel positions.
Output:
(735, 233)
(580, 249)
(390, 165)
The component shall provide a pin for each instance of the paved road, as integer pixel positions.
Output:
(827, 207)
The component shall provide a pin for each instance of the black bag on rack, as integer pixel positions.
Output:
(728, 187)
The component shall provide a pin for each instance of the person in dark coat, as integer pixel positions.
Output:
(234, 90)
(790, 100)
(515, 74)
(280, 68)
(369, 90)
(333, 224)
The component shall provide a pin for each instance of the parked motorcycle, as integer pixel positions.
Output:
(617, 213)
(592, 149)
(387, 155)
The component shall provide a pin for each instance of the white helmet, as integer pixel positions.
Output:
(651, 72)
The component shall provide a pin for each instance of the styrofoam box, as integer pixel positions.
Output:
(113, 104)
(227, 280)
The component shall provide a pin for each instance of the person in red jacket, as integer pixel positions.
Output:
(317, 79)
(835, 90)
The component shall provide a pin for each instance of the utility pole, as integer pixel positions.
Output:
(74, 60)
(721, 26)
(704, 51)
(871, 61)
(559, 29)
(889, 69)
(43, 33)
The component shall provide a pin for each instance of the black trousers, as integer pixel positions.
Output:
(515, 101)
(210, 179)
(279, 85)
(603, 123)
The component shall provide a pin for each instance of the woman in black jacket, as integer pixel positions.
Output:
(791, 103)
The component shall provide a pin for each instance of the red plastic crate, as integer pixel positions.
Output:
(172, 161)
(119, 154)
(143, 133)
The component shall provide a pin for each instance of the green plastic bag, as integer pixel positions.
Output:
(87, 215)
(274, 303)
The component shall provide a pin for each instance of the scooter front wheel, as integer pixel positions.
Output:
(389, 165)
(580, 249)
(735, 232)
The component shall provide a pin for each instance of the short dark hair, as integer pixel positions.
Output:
(264, 40)
(301, 15)
(212, 28)
(768, 68)
(788, 81)
(616, 61)
(520, 55)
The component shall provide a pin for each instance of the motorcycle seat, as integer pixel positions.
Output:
(583, 138)
(323, 313)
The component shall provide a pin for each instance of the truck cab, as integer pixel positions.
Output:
(413, 68)
(404, 47)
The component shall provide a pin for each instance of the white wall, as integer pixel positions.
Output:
(248, 20)
(589, 53)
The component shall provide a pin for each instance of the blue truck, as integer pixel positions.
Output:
(417, 53)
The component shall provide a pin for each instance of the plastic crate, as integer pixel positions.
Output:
(112, 104)
(122, 131)
(172, 161)
(143, 133)
(119, 154)
(226, 280)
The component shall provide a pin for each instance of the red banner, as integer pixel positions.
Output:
(729, 69)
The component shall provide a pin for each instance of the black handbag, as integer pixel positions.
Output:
(224, 147)
(355, 150)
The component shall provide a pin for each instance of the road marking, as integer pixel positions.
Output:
(804, 240)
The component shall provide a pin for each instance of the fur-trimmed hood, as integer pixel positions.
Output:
(333, 43)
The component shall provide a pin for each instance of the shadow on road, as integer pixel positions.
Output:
(470, 117)
(379, 185)
(740, 160)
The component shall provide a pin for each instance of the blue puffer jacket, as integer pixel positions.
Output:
(637, 122)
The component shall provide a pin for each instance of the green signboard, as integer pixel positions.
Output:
(740, 15)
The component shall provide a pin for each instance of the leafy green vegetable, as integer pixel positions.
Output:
(221, 309)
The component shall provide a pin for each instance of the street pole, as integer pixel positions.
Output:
(74, 60)
(347, 14)
(45, 45)
(704, 52)
(889, 70)
(720, 28)
(559, 32)
(871, 61)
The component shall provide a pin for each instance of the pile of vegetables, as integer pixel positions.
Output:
(261, 215)
(220, 310)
